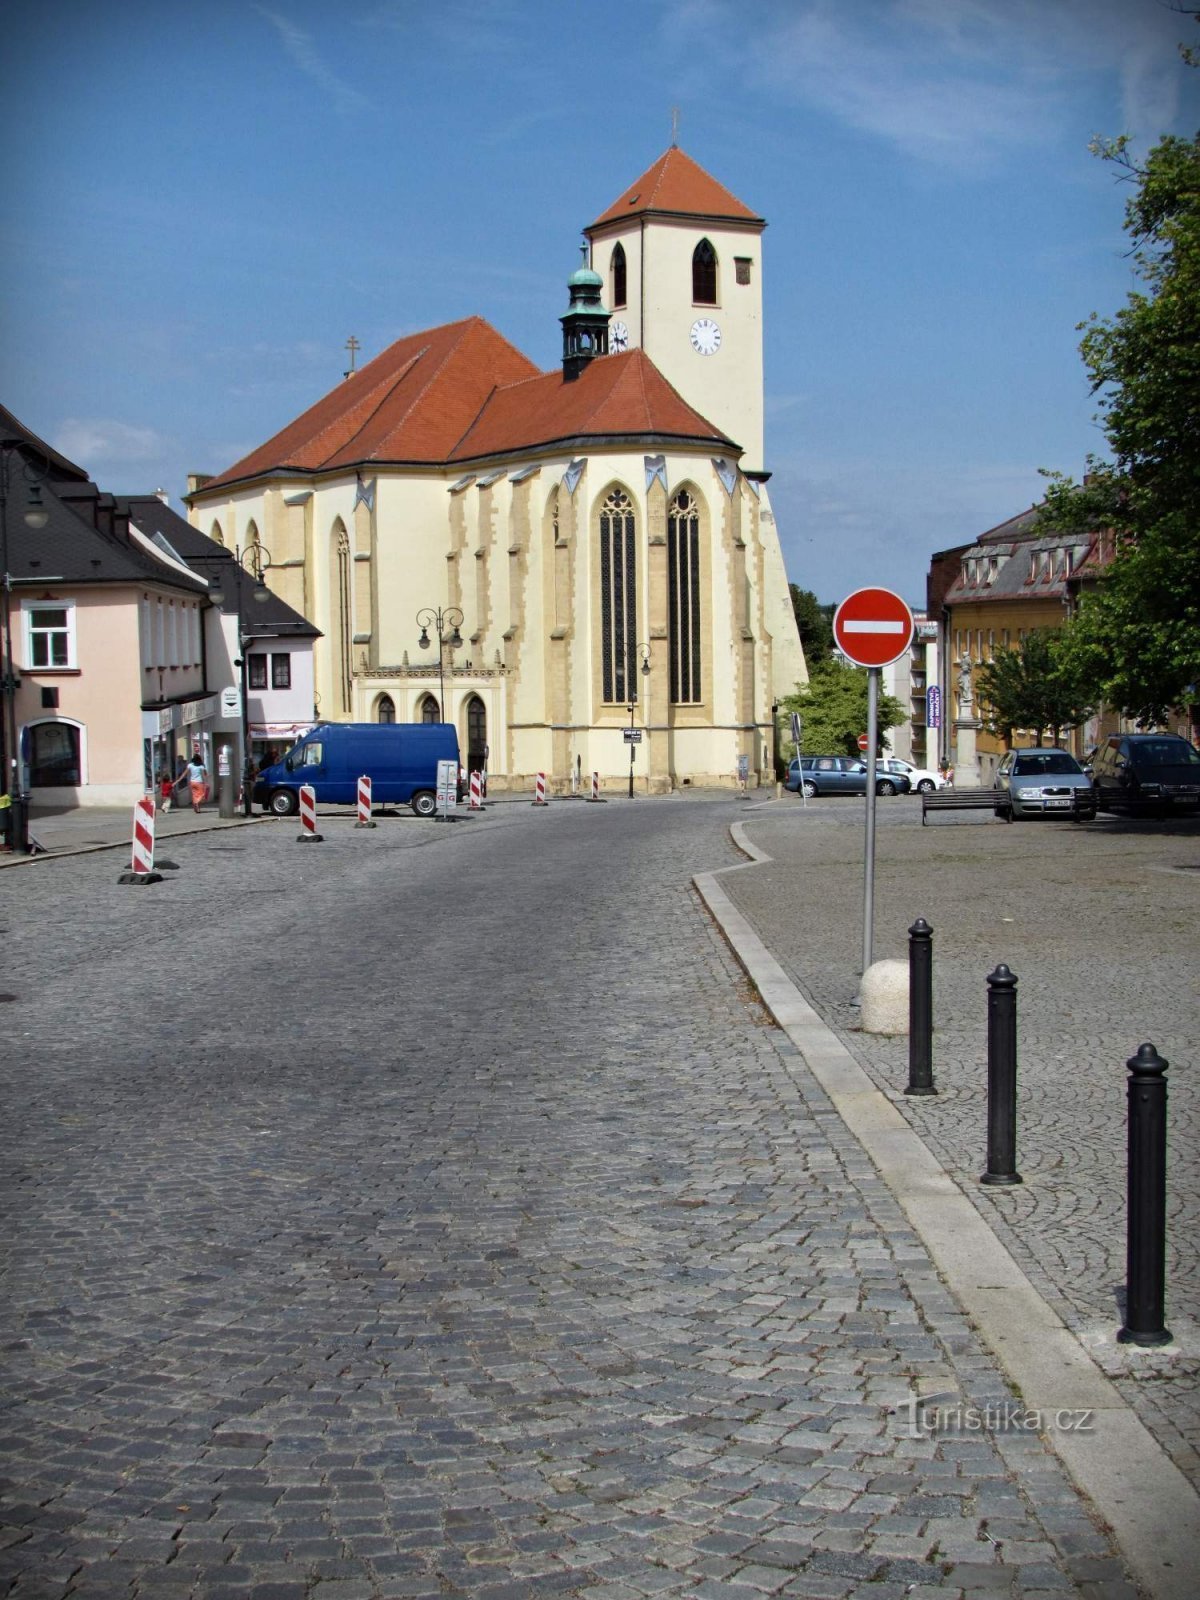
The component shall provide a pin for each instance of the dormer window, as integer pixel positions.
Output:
(704, 274)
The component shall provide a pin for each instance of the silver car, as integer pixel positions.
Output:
(1043, 782)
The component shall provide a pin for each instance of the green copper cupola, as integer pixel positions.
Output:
(585, 321)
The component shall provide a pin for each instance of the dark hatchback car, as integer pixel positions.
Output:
(1147, 772)
(840, 775)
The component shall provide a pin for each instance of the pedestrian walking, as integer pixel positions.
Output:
(196, 774)
(166, 790)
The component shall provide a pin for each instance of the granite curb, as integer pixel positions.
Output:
(1149, 1504)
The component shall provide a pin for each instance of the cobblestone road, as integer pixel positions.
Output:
(434, 1212)
(1100, 925)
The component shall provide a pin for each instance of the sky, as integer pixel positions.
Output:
(206, 198)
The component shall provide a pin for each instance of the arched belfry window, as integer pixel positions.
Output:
(683, 597)
(704, 274)
(618, 276)
(618, 598)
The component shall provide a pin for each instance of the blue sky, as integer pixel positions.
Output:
(205, 198)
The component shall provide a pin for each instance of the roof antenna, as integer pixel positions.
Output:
(674, 127)
(354, 347)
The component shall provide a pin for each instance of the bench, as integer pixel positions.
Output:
(957, 800)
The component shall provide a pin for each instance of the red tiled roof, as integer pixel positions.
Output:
(411, 403)
(676, 184)
(619, 395)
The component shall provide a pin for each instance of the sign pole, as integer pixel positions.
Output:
(869, 874)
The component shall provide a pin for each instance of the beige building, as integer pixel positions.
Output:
(597, 541)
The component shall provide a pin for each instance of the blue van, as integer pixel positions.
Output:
(400, 758)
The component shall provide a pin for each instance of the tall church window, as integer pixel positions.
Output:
(618, 276)
(683, 598)
(618, 598)
(704, 274)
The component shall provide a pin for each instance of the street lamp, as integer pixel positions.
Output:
(642, 650)
(35, 516)
(255, 560)
(445, 625)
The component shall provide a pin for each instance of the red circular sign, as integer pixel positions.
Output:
(863, 741)
(873, 627)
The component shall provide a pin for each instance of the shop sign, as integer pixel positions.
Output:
(198, 710)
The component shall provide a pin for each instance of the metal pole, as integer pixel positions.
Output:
(920, 1008)
(632, 746)
(18, 815)
(245, 679)
(1002, 1079)
(869, 874)
(1146, 1224)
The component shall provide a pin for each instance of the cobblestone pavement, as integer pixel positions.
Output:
(434, 1212)
(1099, 923)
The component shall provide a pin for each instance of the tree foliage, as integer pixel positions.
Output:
(1039, 687)
(1138, 632)
(833, 710)
(815, 622)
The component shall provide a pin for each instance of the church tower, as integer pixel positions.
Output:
(681, 263)
(585, 321)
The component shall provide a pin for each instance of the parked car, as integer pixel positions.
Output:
(400, 758)
(840, 775)
(1043, 782)
(1156, 772)
(920, 779)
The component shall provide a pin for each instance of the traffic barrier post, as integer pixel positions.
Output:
(142, 869)
(364, 803)
(1002, 1079)
(594, 797)
(539, 790)
(308, 816)
(920, 1009)
(475, 802)
(1146, 1220)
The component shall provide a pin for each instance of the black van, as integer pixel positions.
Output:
(1146, 772)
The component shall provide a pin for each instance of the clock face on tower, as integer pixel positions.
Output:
(706, 336)
(618, 337)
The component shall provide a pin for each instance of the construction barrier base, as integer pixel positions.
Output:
(140, 877)
(364, 824)
(166, 866)
(595, 800)
(310, 838)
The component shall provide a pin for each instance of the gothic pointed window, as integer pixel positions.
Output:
(385, 709)
(429, 710)
(704, 274)
(683, 598)
(618, 276)
(618, 599)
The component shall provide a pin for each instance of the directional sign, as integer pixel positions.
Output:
(933, 707)
(873, 627)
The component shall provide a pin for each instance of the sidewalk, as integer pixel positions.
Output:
(105, 827)
(1099, 924)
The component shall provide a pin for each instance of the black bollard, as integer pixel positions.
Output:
(1002, 1079)
(1146, 1225)
(920, 1008)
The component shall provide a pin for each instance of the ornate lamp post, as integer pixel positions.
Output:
(445, 625)
(36, 516)
(642, 650)
(254, 560)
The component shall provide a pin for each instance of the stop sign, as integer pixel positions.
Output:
(863, 742)
(873, 627)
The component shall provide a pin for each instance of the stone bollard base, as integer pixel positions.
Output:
(884, 998)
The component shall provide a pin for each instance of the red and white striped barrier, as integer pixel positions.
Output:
(476, 798)
(364, 803)
(539, 790)
(308, 815)
(594, 798)
(142, 869)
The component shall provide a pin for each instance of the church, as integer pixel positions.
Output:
(549, 560)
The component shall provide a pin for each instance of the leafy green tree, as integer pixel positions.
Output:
(1137, 633)
(833, 710)
(815, 622)
(1038, 686)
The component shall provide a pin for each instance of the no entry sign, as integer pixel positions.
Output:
(873, 627)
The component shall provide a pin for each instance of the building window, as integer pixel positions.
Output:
(741, 268)
(683, 598)
(618, 598)
(54, 755)
(50, 635)
(281, 672)
(429, 710)
(385, 710)
(476, 734)
(704, 274)
(256, 671)
(618, 276)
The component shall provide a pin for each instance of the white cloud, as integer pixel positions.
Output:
(103, 441)
(304, 54)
